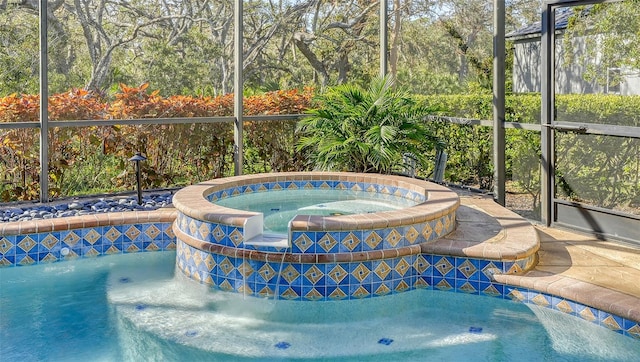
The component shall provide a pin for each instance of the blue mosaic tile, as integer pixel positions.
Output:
(400, 286)
(26, 244)
(402, 268)
(340, 292)
(89, 251)
(612, 322)
(11, 259)
(515, 294)
(360, 291)
(494, 290)
(115, 248)
(131, 247)
(467, 269)
(425, 282)
(443, 266)
(290, 292)
(24, 260)
(628, 324)
(467, 287)
(132, 233)
(360, 273)
(47, 257)
(327, 242)
(8, 245)
(382, 270)
(313, 275)
(337, 274)
(314, 293)
(443, 284)
(48, 242)
(371, 240)
(349, 242)
(248, 189)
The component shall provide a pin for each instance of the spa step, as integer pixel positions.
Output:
(272, 240)
(253, 234)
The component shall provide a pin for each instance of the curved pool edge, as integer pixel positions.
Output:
(192, 201)
(558, 290)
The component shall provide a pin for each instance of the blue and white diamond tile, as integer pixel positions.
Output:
(494, 290)
(360, 291)
(487, 269)
(314, 293)
(339, 292)
(382, 288)
(360, 273)
(467, 287)
(443, 266)
(47, 257)
(610, 321)
(8, 245)
(314, 274)
(467, 269)
(350, 242)
(400, 285)
(402, 268)
(289, 292)
(423, 282)
(7, 260)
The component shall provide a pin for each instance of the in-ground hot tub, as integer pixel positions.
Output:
(331, 256)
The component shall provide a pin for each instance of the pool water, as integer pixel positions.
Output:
(133, 307)
(280, 206)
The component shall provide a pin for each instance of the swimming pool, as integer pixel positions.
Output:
(280, 206)
(135, 307)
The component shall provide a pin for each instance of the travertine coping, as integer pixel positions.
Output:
(507, 237)
(611, 301)
(192, 201)
(87, 221)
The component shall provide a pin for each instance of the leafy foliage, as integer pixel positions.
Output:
(90, 159)
(365, 130)
(608, 32)
(599, 170)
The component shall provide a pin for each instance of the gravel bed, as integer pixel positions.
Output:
(76, 207)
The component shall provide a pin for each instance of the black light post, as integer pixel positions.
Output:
(137, 158)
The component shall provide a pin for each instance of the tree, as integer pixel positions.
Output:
(611, 35)
(332, 35)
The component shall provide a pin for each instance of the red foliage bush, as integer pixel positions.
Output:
(208, 146)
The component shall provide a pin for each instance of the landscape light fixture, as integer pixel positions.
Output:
(137, 158)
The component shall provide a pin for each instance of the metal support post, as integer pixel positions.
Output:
(44, 104)
(499, 54)
(238, 87)
(547, 114)
(384, 39)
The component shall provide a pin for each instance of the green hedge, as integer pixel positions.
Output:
(600, 170)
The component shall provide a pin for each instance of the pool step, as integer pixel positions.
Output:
(272, 240)
(254, 235)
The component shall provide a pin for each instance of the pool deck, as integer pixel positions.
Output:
(603, 274)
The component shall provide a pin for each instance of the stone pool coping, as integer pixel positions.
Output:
(193, 202)
(474, 238)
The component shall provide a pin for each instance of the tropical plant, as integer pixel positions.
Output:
(365, 130)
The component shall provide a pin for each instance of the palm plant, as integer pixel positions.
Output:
(365, 130)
